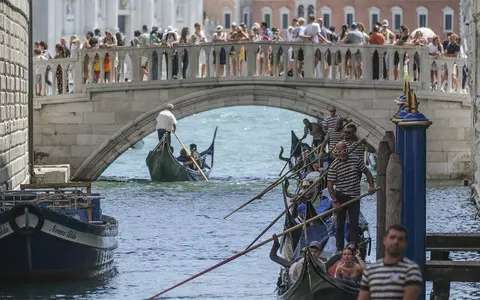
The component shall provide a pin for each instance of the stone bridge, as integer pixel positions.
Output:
(87, 117)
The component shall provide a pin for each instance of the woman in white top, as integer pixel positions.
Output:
(435, 49)
(198, 37)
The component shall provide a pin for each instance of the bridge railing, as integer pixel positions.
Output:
(335, 64)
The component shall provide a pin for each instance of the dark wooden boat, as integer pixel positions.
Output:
(54, 232)
(314, 283)
(164, 166)
(297, 149)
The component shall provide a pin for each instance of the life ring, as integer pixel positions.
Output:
(18, 210)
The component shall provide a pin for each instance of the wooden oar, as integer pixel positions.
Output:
(233, 257)
(270, 187)
(191, 157)
(294, 199)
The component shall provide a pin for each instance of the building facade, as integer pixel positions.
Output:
(14, 93)
(54, 19)
(440, 15)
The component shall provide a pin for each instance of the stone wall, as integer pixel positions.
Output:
(13, 93)
(470, 10)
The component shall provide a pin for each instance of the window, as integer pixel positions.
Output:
(448, 19)
(301, 11)
(267, 15)
(311, 10)
(246, 15)
(227, 20)
(397, 17)
(327, 16)
(227, 17)
(374, 17)
(284, 17)
(349, 15)
(422, 16)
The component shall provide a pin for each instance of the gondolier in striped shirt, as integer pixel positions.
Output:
(345, 174)
(355, 146)
(332, 138)
(393, 277)
(329, 122)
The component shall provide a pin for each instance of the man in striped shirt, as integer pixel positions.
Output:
(329, 122)
(392, 277)
(355, 147)
(345, 173)
(333, 137)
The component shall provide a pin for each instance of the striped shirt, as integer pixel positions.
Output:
(329, 122)
(346, 175)
(354, 150)
(389, 281)
(332, 138)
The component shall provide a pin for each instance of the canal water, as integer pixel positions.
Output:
(170, 231)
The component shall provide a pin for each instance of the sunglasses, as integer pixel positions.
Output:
(341, 152)
(348, 132)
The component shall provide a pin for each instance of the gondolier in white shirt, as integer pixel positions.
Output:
(166, 123)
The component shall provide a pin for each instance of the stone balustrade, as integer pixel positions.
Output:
(341, 64)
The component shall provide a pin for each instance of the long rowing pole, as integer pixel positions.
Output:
(286, 209)
(270, 187)
(233, 257)
(192, 158)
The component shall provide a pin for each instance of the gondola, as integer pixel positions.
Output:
(164, 167)
(314, 283)
(297, 151)
(54, 232)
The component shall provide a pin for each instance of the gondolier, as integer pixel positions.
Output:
(345, 174)
(355, 146)
(329, 122)
(315, 130)
(166, 123)
(333, 137)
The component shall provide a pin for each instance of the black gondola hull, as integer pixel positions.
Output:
(58, 248)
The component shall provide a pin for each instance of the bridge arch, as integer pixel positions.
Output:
(238, 95)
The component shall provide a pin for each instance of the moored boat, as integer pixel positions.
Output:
(54, 232)
(164, 166)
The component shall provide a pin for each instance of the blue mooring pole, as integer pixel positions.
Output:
(414, 126)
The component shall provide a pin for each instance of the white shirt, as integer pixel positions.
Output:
(166, 120)
(313, 29)
(38, 58)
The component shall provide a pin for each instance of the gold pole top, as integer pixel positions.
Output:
(408, 99)
(414, 103)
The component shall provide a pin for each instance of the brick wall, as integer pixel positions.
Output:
(214, 9)
(13, 93)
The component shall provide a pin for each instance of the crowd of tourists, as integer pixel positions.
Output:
(301, 30)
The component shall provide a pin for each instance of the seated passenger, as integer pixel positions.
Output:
(333, 268)
(348, 270)
(194, 153)
(296, 269)
(183, 156)
(301, 213)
